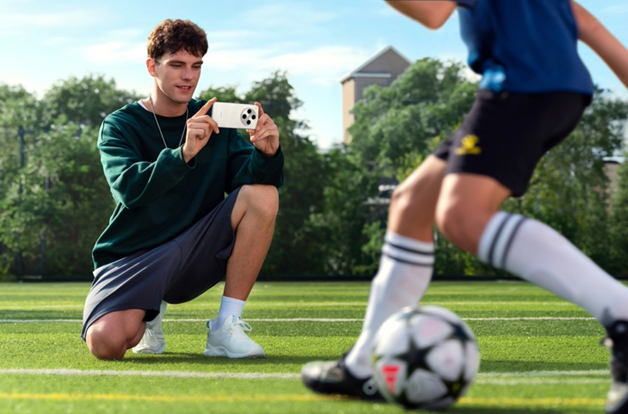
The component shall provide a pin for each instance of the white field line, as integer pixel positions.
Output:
(293, 304)
(172, 374)
(540, 318)
(502, 378)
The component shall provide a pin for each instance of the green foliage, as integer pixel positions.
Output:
(428, 101)
(84, 101)
(343, 225)
(618, 240)
(55, 206)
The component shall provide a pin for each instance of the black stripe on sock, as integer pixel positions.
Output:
(494, 243)
(510, 239)
(407, 249)
(409, 262)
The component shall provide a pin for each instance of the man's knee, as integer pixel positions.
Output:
(263, 199)
(105, 343)
(110, 336)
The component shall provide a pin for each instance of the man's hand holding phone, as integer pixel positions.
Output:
(199, 128)
(265, 136)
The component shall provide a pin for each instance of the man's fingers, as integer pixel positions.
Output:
(205, 108)
(261, 110)
(204, 121)
(213, 125)
(264, 120)
(264, 133)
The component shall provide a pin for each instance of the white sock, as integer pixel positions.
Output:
(538, 254)
(404, 273)
(228, 308)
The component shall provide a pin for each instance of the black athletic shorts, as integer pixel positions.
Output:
(176, 271)
(506, 134)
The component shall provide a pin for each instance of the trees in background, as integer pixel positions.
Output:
(55, 201)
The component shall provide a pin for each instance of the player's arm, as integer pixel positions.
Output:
(431, 14)
(595, 35)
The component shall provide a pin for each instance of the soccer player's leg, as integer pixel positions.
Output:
(540, 255)
(403, 276)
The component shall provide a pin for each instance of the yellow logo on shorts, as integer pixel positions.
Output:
(469, 146)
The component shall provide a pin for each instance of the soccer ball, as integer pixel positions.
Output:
(424, 357)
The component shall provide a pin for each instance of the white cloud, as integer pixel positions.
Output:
(290, 16)
(619, 9)
(323, 65)
(28, 21)
(115, 52)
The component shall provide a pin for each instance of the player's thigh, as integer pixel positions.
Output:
(417, 195)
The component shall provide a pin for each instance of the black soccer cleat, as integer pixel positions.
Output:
(333, 377)
(616, 341)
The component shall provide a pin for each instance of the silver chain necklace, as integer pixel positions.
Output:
(150, 98)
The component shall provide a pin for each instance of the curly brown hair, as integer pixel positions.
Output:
(171, 36)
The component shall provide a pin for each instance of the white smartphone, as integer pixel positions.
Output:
(232, 115)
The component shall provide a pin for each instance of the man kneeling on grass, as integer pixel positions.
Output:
(173, 234)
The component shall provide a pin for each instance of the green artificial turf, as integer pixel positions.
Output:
(540, 354)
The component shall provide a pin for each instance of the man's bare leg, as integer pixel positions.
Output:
(116, 332)
(253, 219)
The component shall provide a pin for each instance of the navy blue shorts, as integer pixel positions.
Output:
(506, 134)
(176, 271)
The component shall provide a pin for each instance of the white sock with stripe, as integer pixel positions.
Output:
(404, 274)
(540, 255)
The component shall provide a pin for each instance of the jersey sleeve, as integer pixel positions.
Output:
(133, 181)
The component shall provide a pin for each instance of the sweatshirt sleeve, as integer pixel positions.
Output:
(133, 181)
(247, 165)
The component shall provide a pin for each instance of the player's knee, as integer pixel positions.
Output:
(451, 220)
(263, 199)
(399, 199)
(106, 345)
(403, 199)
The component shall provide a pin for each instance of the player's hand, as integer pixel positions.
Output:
(265, 136)
(199, 128)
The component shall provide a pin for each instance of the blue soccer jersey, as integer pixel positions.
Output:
(525, 46)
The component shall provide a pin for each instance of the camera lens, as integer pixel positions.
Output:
(243, 116)
(253, 117)
(248, 122)
(249, 111)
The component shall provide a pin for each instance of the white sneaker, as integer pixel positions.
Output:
(231, 340)
(153, 341)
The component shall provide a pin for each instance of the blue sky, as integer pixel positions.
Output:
(315, 42)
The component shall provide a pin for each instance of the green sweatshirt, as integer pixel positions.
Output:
(157, 194)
